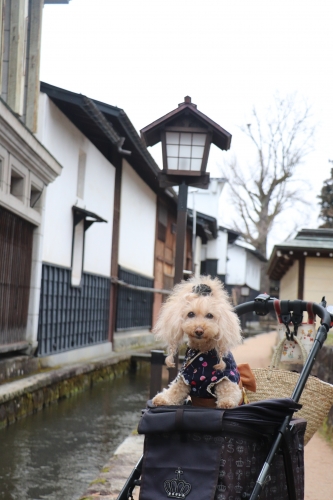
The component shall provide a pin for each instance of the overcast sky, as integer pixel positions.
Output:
(228, 55)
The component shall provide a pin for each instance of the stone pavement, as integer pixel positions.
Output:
(256, 351)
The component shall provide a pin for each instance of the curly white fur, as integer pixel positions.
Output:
(208, 322)
(169, 326)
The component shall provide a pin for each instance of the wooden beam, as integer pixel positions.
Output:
(35, 22)
(2, 23)
(117, 162)
(18, 35)
(301, 269)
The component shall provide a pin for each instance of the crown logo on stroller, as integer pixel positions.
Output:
(239, 462)
(177, 488)
(238, 488)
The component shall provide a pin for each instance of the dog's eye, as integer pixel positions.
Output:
(209, 316)
(191, 314)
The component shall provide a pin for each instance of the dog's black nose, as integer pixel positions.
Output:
(199, 332)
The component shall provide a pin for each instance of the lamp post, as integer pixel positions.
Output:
(186, 135)
(194, 232)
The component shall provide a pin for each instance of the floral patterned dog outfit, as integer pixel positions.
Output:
(198, 372)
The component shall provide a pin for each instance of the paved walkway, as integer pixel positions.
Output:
(257, 352)
(318, 454)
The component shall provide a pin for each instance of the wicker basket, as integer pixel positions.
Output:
(317, 396)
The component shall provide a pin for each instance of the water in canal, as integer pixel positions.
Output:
(56, 453)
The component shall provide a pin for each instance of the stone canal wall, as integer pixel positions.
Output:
(31, 394)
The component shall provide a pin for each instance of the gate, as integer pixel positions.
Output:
(15, 269)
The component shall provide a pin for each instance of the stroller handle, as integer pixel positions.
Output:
(264, 304)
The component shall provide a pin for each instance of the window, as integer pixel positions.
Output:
(17, 184)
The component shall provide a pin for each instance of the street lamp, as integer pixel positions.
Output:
(186, 135)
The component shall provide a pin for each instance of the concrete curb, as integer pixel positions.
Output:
(32, 383)
(114, 474)
(31, 394)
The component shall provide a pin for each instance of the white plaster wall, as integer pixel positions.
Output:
(222, 245)
(198, 252)
(236, 265)
(212, 249)
(206, 201)
(65, 142)
(318, 279)
(203, 252)
(253, 271)
(289, 283)
(137, 223)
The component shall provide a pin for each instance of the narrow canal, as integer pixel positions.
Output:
(56, 453)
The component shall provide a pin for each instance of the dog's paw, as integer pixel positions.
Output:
(226, 403)
(160, 400)
(169, 361)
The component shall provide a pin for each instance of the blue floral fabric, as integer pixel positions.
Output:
(198, 372)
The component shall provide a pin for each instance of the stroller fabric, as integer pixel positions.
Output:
(198, 453)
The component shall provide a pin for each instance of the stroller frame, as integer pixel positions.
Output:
(262, 305)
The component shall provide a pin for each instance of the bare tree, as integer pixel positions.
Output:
(326, 202)
(281, 140)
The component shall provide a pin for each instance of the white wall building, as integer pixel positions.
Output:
(243, 265)
(26, 168)
(211, 249)
(137, 223)
(87, 182)
(207, 201)
(100, 223)
(77, 243)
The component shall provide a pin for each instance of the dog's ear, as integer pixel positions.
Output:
(229, 324)
(168, 328)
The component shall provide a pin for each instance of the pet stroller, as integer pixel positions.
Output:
(251, 451)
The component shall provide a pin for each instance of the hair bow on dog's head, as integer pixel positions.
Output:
(202, 290)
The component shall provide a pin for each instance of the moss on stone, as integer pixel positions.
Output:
(99, 480)
(29, 403)
(326, 431)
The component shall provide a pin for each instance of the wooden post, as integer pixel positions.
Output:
(33, 63)
(18, 34)
(157, 362)
(2, 26)
(180, 250)
(117, 162)
(181, 232)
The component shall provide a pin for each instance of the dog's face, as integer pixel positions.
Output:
(200, 323)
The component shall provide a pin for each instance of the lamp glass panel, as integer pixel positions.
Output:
(199, 139)
(173, 163)
(172, 137)
(186, 138)
(184, 163)
(172, 150)
(197, 151)
(185, 151)
(196, 164)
